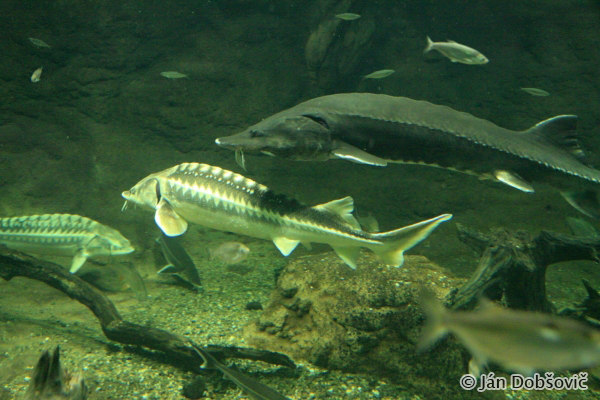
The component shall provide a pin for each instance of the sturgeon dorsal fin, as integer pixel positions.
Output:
(342, 207)
(348, 152)
(560, 131)
(168, 220)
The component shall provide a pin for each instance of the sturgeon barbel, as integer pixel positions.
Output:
(223, 200)
(378, 129)
(66, 235)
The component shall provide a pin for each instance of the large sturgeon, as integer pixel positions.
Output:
(223, 200)
(376, 129)
(65, 235)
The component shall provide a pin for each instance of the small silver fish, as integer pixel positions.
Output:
(379, 74)
(230, 252)
(37, 75)
(457, 52)
(39, 42)
(348, 16)
(174, 75)
(535, 91)
(519, 341)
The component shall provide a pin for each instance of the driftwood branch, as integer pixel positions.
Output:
(513, 266)
(13, 264)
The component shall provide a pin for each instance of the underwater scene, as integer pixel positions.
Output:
(319, 199)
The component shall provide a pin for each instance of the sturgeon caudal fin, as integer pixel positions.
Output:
(396, 242)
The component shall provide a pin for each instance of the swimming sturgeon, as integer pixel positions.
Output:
(377, 129)
(223, 200)
(66, 235)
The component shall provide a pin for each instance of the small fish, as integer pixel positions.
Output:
(174, 75)
(519, 341)
(230, 252)
(52, 382)
(457, 52)
(535, 92)
(252, 388)
(37, 74)
(348, 16)
(39, 42)
(368, 222)
(379, 74)
(179, 261)
(62, 235)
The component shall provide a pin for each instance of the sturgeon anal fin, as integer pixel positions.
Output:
(513, 180)
(168, 220)
(78, 260)
(285, 245)
(348, 254)
(585, 202)
(347, 152)
(342, 207)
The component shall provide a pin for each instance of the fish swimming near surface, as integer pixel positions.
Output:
(179, 261)
(52, 382)
(39, 43)
(223, 200)
(519, 341)
(457, 52)
(535, 91)
(63, 235)
(379, 74)
(229, 252)
(377, 129)
(250, 387)
(174, 75)
(37, 75)
(348, 16)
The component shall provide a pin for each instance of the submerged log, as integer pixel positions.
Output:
(179, 348)
(513, 266)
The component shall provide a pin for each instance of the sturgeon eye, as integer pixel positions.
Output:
(255, 134)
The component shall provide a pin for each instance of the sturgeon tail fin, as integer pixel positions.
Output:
(396, 242)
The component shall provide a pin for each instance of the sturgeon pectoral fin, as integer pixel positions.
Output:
(79, 259)
(168, 220)
(285, 245)
(167, 270)
(585, 202)
(348, 254)
(347, 152)
(513, 180)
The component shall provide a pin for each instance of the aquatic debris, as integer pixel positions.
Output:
(63, 235)
(220, 199)
(174, 75)
(229, 252)
(39, 42)
(179, 261)
(535, 91)
(252, 388)
(348, 16)
(37, 74)
(379, 74)
(457, 52)
(52, 382)
(519, 341)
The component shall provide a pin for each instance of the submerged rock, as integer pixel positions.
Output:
(363, 320)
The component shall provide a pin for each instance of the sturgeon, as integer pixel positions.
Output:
(66, 235)
(378, 129)
(223, 200)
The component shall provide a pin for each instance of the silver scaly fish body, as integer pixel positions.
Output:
(62, 235)
(223, 200)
